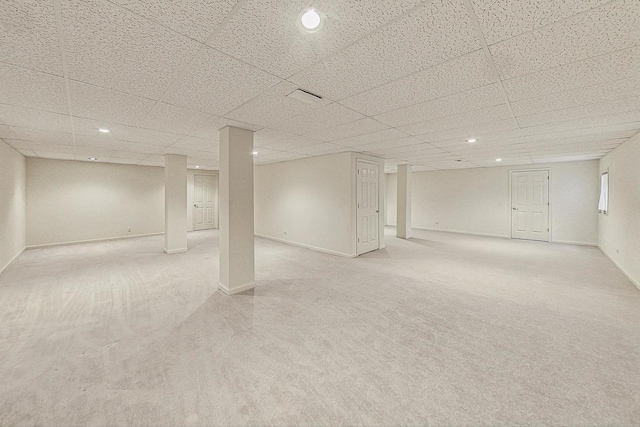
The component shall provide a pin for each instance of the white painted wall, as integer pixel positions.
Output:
(619, 229)
(313, 200)
(12, 204)
(69, 201)
(477, 201)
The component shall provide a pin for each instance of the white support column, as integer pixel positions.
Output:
(403, 229)
(237, 265)
(175, 203)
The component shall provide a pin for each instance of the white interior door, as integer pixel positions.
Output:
(368, 208)
(530, 205)
(205, 202)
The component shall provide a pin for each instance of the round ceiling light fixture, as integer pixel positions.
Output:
(311, 21)
(472, 140)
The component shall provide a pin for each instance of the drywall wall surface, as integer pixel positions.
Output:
(391, 211)
(72, 201)
(619, 229)
(12, 204)
(478, 201)
(307, 202)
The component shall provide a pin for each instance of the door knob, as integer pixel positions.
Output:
(515, 209)
(195, 206)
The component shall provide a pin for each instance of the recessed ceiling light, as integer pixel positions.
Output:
(104, 130)
(311, 21)
(197, 167)
(93, 159)
(255, 153)
(498, 160)
(472, 140)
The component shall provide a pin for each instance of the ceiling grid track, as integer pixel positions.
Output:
(65, 69)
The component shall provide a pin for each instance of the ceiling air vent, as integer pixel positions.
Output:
(304, 96)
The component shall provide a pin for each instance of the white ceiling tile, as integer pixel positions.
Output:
(267, 136)
(578, 97)
(17, 143)
(348, 130)
(194, 19)
(438, 31)
(35, 119)
(593, 71)
(114, 48)
(211, 130)
(470, 130)
(122, 161)
(611, 27)
(37, 135)
(592, 110)
(322, 118)
(273, 106)
(392, 143)
(485, 115)
(279, 157)
(33, 89)
(457, 75)
(26, 152)
(152, 161)
(216, 83)
(171, 118)
(200, 144)
(474, 99)
(99, 103)
(55, 155)
(293, 143)
(123, 132)
(28, 35)
(503, 19)
(319, 149)
(384, 135)
(7, 132)
(264, 32)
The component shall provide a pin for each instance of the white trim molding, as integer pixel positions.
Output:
(302, 245)
(12, 260)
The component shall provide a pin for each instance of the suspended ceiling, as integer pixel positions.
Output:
(534, 81)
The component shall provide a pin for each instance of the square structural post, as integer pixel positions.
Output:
(175, 203)
(237, 263)
(403, 229)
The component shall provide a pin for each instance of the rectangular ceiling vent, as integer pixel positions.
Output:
(304, 96)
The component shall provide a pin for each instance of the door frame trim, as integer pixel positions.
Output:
(511, 172)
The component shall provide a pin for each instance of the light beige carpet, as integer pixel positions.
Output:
(442, 329)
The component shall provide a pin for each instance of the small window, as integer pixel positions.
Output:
(603, 204)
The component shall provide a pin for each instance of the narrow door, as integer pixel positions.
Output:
(368, 209)
(205, 200)
(530, 205)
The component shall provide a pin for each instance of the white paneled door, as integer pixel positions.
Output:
(205, 202)
(530, 205)
(368, 207)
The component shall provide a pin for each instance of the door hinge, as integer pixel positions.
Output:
(358, 240)
(547, 230)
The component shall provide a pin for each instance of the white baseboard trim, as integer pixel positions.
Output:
(11, 260)
(234, 291)
(78, 242)
(635, 282)
(461, 232)
(174, 251)
(302, 245)
(570, 242)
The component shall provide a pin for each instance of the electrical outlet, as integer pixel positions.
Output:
(129, 229)
(285, 233)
